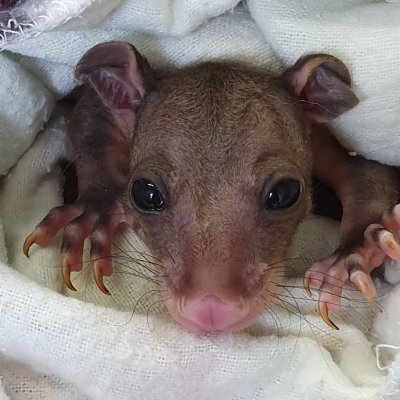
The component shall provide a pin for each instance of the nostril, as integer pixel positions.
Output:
(211, 313)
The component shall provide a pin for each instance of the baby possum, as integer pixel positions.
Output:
(211, 166)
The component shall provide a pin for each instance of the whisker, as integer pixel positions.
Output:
(145, 255)
(298, 313)
(288, 259)
(300, 286)
(300, 325)
(275, 318)
(148, 312)
(311, 326)
(132, 263)
(135, 272)
(366, 304)
(152, 292)
(172, 258)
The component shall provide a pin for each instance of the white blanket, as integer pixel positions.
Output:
(53, 346)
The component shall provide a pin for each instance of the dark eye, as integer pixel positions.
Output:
(283, 194)
(146, 196)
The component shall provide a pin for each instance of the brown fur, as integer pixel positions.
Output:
(214, 138)
(235, 132)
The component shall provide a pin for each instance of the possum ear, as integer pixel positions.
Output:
(322, 83)
(118, 73)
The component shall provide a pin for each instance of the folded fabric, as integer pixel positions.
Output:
(85, 345)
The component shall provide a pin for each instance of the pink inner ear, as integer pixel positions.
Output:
(299, 76)
(326, 96)
(117, 89)
(322, 82)
(119, 75)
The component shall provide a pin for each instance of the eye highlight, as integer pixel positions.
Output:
(146, 196)
(283, 194)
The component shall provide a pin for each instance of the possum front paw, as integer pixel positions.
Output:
(97, 216)
(328, 276)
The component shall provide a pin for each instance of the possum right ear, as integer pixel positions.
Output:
(322, 83)
(118, 73)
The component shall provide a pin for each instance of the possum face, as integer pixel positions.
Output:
(220, 170)
(220, 179)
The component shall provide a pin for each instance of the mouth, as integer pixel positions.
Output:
(211, 313)
(216, 302)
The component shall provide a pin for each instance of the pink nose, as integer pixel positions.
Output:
(210, 313)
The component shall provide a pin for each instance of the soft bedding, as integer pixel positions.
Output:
(55, 344)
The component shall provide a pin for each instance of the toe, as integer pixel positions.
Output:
(66, 273)
(382, 243)
(55, 220)
(365, 285)
(75, 234)
(98, 278)
(331, 289)
(324, 313)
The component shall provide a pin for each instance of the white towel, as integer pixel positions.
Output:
(55, 346)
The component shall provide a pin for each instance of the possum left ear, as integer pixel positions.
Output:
(322, 83)
(119, 74)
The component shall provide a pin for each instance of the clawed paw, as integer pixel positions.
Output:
(80, 222)
(330, 275)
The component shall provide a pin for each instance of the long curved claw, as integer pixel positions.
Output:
(29, 241)
(306, 283)
(365, 285)
(323, 311)
(98, 278)
(66, 273)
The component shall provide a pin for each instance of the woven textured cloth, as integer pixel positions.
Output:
(55, 344)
